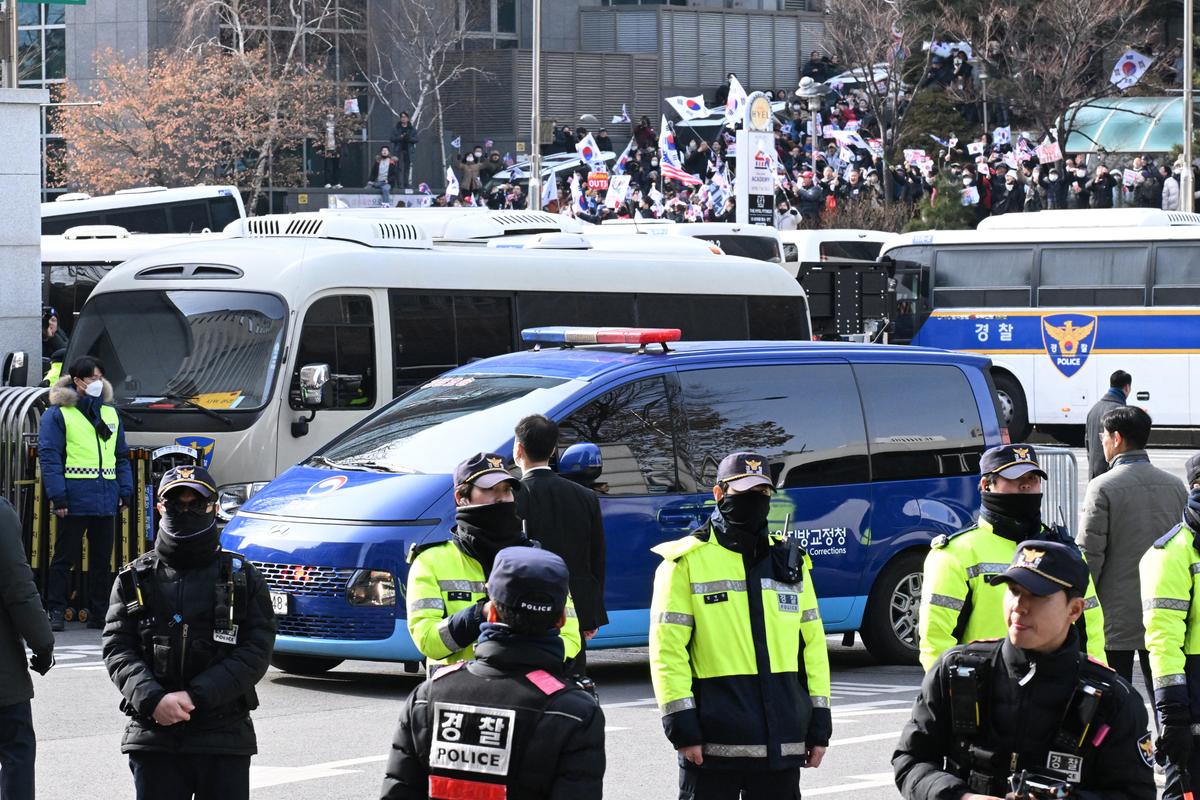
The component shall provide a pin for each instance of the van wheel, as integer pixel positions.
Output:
(303, 665)
(889, 627)
(1014, 412)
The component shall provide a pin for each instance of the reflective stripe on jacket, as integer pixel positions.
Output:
(737, 658)
(958, 605)
(1169, 573)
(443, 581)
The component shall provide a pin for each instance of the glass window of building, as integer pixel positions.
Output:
(42, 63)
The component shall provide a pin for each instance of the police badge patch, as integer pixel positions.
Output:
(1146, 750)
(789, 602)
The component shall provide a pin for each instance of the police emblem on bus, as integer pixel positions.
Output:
(328, 485)
(203, 446)
(1069, 340)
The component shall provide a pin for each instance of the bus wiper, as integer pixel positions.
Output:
(208, 412)
(134, 418)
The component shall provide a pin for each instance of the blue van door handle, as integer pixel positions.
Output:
(679, 518)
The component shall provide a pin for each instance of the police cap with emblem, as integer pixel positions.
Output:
(1045, 568)
(529, 579)
(196, 478)
(742, 471)
(484, 470)
(1011, 461)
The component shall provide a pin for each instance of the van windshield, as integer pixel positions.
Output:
(438, 424)
(165, 350)
(760, 248)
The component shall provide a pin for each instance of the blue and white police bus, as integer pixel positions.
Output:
(1059, 300)
(873, 450)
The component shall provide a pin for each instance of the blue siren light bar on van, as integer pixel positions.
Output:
(567, 334)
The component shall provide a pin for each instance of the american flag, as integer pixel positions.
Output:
(673, 173)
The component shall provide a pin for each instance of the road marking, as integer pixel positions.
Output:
(873, 737)
(262, 777)
(876, 780)
(645, 701)
(80, 667)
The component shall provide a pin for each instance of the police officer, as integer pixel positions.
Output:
(1169, 572)
(446, 591)
(1027, 716)
(510, 723)
(189, 633)
(86, 472)
(737, 650)
(957, 603)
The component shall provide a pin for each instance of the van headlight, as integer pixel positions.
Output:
(233, 496)
(371, 587)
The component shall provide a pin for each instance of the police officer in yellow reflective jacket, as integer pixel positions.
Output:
(446, 591)
(1170, 577)
(958, 605)
(737, 650)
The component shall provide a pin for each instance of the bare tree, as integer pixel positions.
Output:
(290, 86)
(881, 41)
(423, 55)
(1046, 57)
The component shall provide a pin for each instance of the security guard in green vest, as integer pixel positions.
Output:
(446, 592)
(1170, 577)
(87, 476)
(958, 604)
(737, 649)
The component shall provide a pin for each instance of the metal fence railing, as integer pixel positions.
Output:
(1060, 495)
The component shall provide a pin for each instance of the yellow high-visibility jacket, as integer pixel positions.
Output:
(444, 587)
(958, 605)
(737, 656)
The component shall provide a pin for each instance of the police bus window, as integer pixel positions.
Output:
(634, 428)
(340, 331)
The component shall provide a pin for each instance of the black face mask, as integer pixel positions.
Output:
(743, 525)
(1013, 516)
(188, 538)
(484, 530)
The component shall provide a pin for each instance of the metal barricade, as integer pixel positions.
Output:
(1060, 495)
(21, 483)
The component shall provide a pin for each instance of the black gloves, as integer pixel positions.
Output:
(42, 660)
(1175, 742)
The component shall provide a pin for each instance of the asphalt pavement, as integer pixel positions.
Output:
(327, 738)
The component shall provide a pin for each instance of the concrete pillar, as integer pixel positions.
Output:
(21, 225)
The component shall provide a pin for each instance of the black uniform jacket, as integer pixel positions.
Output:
(565, 518)
(22, 619)
(564, 759)
(1024, 721)
(220, 679)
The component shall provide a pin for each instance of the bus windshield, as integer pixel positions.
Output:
(427, 429)
(165, 350)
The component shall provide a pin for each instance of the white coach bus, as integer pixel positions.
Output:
(206, 344)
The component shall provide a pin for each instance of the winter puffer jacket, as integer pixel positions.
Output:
(96, 497)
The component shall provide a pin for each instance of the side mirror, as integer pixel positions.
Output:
(790, 252)
(313, 378)
(581, 463)
(16, 369)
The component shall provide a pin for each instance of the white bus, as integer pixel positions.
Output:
(205, 344)
(149, 209)
(1059, 300)
(759, 242)
(74, 262)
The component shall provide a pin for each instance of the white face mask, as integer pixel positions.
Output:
(1053, 176)
(967, 181)
(1081, 173)
(94, 389)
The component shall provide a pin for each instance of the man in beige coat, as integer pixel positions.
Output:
(1125, 510)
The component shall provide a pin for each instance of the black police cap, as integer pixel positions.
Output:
(1011, 461)
(1045, 568)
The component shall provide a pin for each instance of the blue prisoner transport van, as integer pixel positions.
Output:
(874, 450)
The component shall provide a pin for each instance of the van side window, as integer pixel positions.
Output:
(340, 331)
(922, 421)
(805, 418)
(633, 427)
(432, 333)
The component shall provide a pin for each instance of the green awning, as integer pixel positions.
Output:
(1126, 125)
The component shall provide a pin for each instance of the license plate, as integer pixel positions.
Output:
(279, 603)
